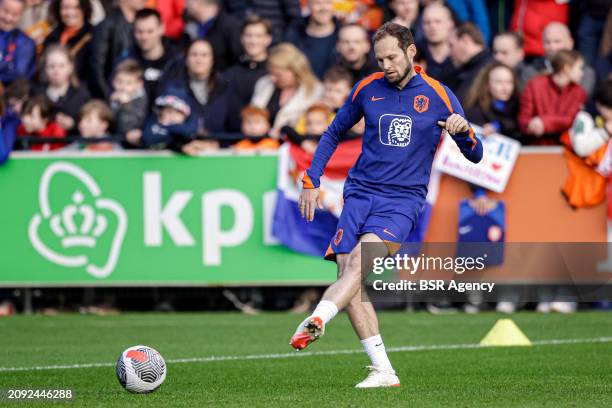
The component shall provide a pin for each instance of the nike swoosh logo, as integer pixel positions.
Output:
(378, 345)
(389, 232)
(465, 230)
(374, 99)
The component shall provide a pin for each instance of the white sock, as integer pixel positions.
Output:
(326, 310)
(375, 348)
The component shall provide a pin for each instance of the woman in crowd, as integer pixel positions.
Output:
(289, 89)
(406, 13)
(207, 91)
(74, 31)
(492, 102)
(61, 86)
(549, 103)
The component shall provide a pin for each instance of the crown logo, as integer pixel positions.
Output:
(78, 224)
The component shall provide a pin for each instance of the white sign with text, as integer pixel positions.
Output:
(493, 172)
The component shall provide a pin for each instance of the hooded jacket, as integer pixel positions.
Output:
(159, 136)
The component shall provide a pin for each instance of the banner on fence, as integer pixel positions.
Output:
(493, 172)
(145, 220)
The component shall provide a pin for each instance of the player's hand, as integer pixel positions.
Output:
(455, 123)
(308, 202)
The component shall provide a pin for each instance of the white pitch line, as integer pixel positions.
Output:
(551, 342)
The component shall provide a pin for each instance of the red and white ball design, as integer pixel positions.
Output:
(141, 369)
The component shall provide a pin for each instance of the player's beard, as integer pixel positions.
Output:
(406, 72)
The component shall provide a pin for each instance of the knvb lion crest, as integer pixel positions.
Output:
(421, 103)
(395, 130)
(69, 232)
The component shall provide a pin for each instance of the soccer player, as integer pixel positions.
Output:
(405, 112)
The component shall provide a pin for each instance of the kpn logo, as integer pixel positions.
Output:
(77, 226)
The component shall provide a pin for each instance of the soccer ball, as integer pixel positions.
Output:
(141, 369)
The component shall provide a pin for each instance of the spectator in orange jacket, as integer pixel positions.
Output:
(255, 127)
(549, 103)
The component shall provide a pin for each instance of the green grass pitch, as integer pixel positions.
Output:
(545, 375)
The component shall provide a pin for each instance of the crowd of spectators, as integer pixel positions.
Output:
(200, 75)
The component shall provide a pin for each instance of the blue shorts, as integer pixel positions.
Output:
(391, 219)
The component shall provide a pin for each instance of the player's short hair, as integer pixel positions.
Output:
(403, 34)
(338, 74)
(564, 58)
(251, 110)
(603, 95)
(472, 31)
(254, 19)
(146, 13)
(41, 102)
(517, 38)
(129, 67)
(97, 106)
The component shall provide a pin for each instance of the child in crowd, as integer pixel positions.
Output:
(128, 101)
(255, 127)
(337, 87)
(37, 120)
(15, 96)
(61, 86)
(172, 125)
(316, 120)
(337, 84)
(94, 122)
(549, 103)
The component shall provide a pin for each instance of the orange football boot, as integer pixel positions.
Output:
(312, 329)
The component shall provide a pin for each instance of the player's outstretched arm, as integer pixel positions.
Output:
(349, 114)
